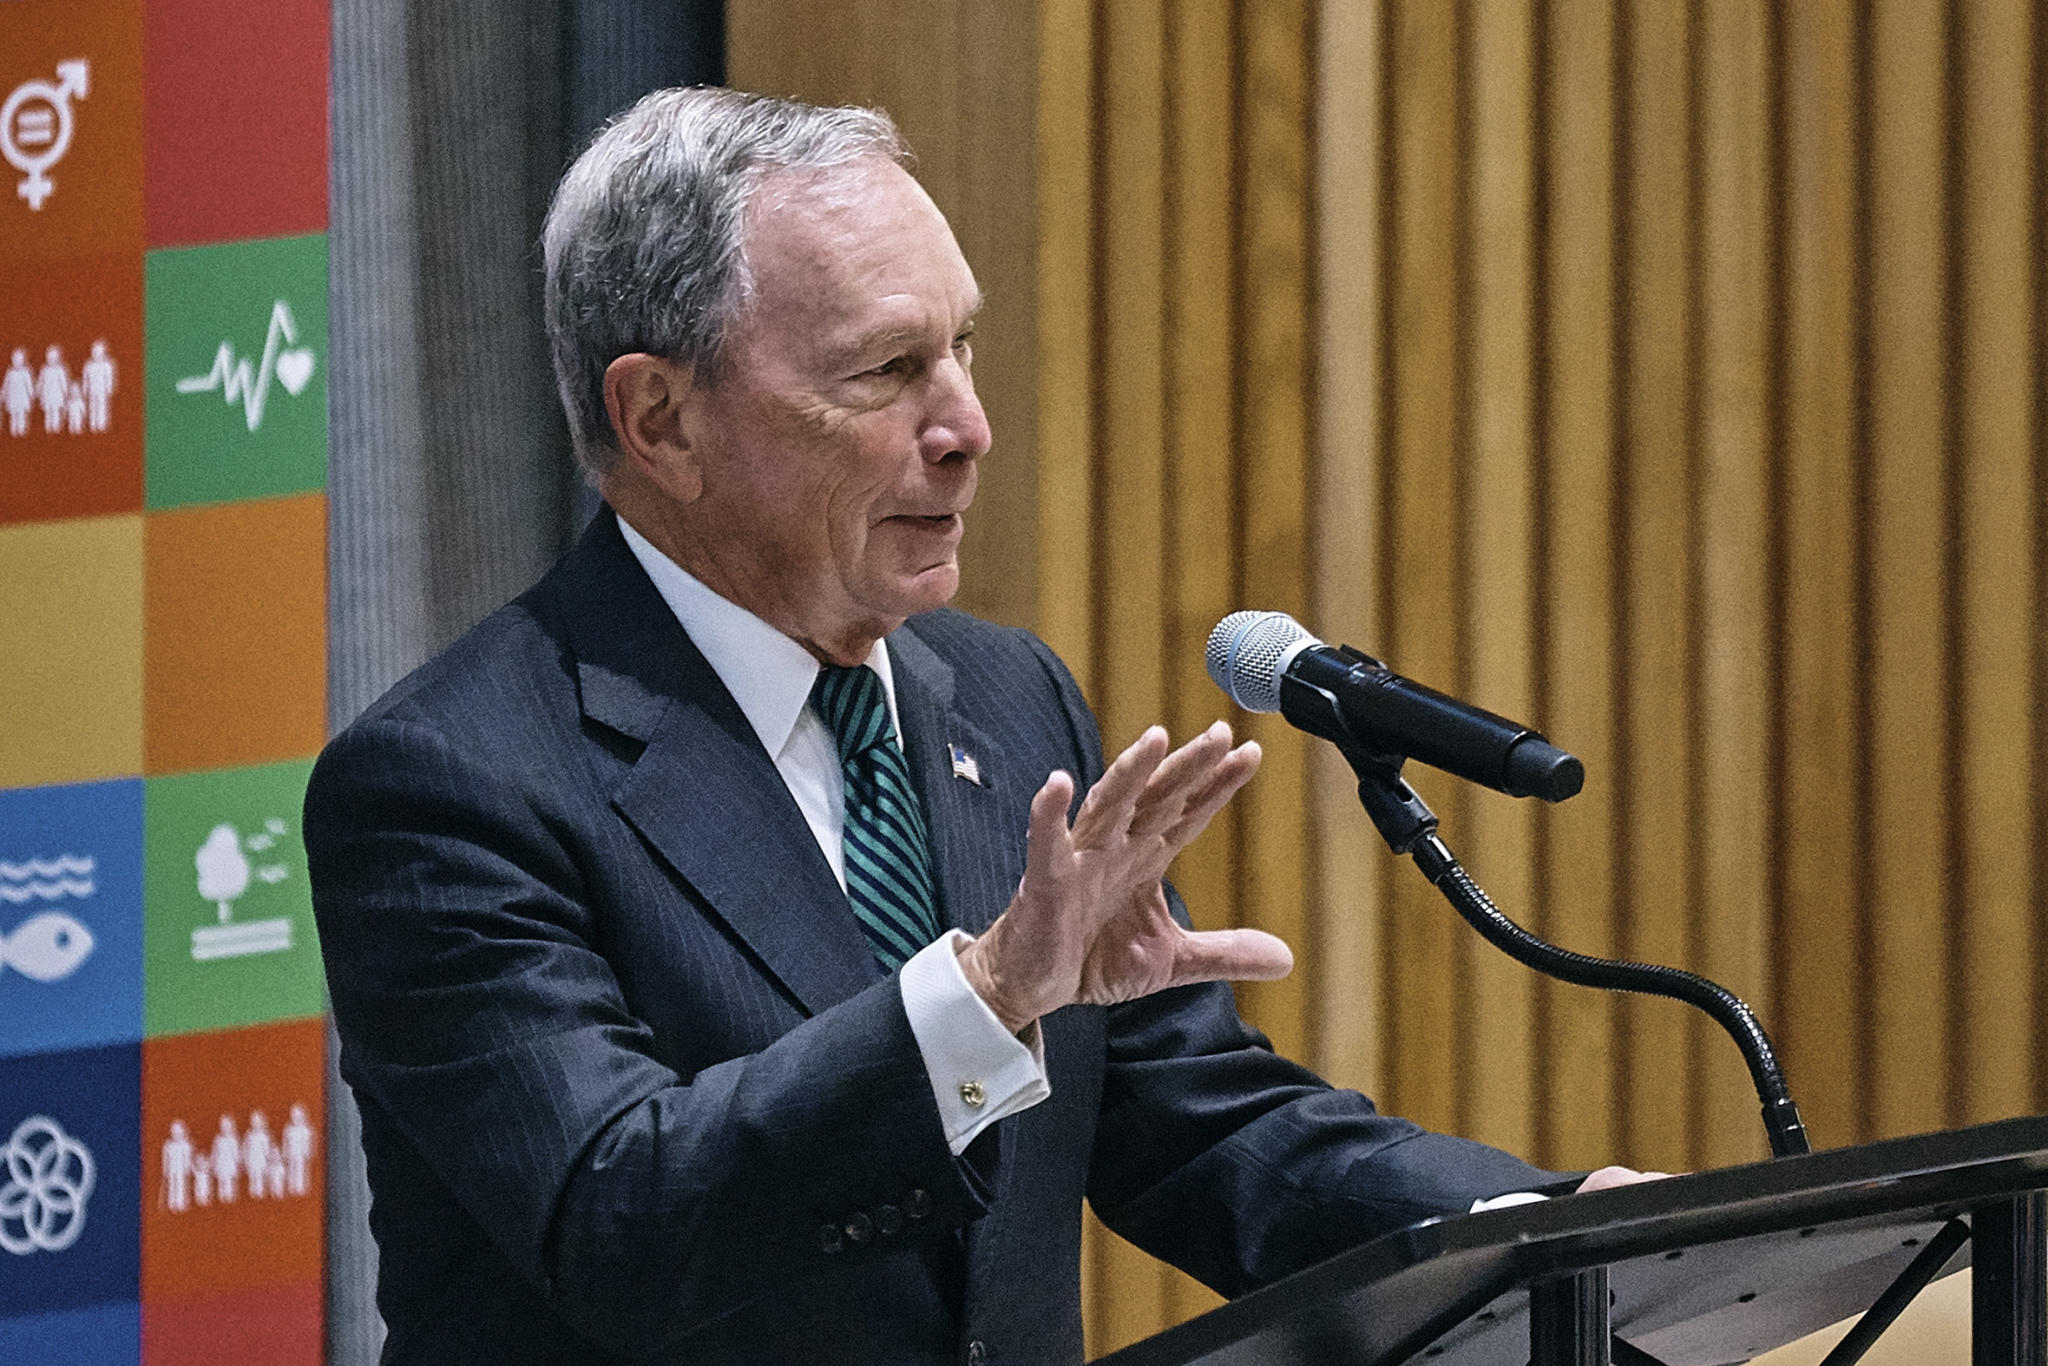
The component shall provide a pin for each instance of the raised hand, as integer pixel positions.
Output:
(1089, 923)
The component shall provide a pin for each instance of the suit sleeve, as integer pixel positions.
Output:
(1236, 1165)
(478, 1012)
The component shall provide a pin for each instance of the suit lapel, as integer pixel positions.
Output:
(962, 815)
(703, 792)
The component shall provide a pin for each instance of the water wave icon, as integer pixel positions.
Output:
(46, 879)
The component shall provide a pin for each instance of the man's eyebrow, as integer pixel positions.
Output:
(888, 338)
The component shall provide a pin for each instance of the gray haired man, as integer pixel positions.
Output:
(739, 956)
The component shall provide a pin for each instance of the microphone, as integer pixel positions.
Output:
(1267, 661)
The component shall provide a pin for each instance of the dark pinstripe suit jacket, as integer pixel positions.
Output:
(622, 1052)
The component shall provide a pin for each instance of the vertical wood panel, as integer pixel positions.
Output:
(1201, 436)
(1658, 587)
(1908, 525)
(1420, 602)
(1998, 905)
(1736, 471)
(1065, 166)
(1498, 1101)
(1273, 474)
(1819, 807)
(1130, 480)
(1351, 867)
(1580, 664)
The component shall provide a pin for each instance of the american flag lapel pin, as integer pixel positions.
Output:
(964, 765)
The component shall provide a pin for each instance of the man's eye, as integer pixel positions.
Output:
(894, 366)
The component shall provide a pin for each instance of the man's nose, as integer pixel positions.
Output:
(958, 426)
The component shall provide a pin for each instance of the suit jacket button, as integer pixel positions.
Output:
(977, 1353)
(918, 1205)
(859, 1228)
(829, 1239)
(888, 1219)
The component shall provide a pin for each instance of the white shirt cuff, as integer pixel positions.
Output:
(979, 1070)
(1504, 1201)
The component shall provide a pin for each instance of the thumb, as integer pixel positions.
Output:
(1231, 956)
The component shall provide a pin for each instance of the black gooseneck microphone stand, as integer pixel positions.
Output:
(1410, 827)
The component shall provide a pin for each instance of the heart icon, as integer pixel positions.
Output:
(294, 368)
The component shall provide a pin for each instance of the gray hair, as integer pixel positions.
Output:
(645, 244)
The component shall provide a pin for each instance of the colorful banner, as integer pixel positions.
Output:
(163, 466)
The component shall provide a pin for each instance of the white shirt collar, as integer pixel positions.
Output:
(767, 673)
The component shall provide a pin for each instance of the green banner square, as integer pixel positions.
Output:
(228, 935)
(236, 347)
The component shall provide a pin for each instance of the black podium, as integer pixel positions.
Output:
(1716, 1267)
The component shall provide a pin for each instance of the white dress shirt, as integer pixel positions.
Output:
(979, 1070)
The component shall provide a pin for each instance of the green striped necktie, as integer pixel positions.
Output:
(888, 853)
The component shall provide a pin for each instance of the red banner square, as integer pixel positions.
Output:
(270, 1326)
(236, 123)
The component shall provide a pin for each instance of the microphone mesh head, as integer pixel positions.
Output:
(1247, 651)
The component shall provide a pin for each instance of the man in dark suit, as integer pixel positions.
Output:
(737, 956)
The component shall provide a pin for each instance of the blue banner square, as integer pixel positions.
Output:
(104, 1335)
(70, 1179)
(70, 916)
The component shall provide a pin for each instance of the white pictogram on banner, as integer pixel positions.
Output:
(238, 381)
(224, 874)
(46, 947)
(50, 879)
(250, 1161)
(36, 126)
(73, 405)
(49, 1179)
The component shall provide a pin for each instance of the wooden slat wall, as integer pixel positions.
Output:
(1669, 373)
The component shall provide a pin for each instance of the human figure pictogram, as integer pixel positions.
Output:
(18, 393)
(227, 1160)
(298, 1152)
(257, 1150)
(177, 1168)
(99, 388)
(53, 381)
(74, 409)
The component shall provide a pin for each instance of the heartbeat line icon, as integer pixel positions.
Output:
(236, 380)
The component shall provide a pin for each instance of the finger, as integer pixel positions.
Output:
(1183, 773)
(1106, 811)
(1047, 844)
(1230, 956)
(1229, 777)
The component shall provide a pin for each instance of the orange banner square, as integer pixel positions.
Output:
(233, 1159)
(235, 634)
(71, 389)
(71, 128)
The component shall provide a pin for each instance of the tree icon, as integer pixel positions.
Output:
(223, 869)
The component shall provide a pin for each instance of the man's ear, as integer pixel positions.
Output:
(651, 401)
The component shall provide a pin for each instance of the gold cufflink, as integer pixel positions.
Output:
(972, 1095)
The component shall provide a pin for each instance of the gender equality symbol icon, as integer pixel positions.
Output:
(49, 1179)
(36, 125)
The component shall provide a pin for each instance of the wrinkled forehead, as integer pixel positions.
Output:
(816, 238)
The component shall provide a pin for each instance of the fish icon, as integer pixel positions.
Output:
(48, 947)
